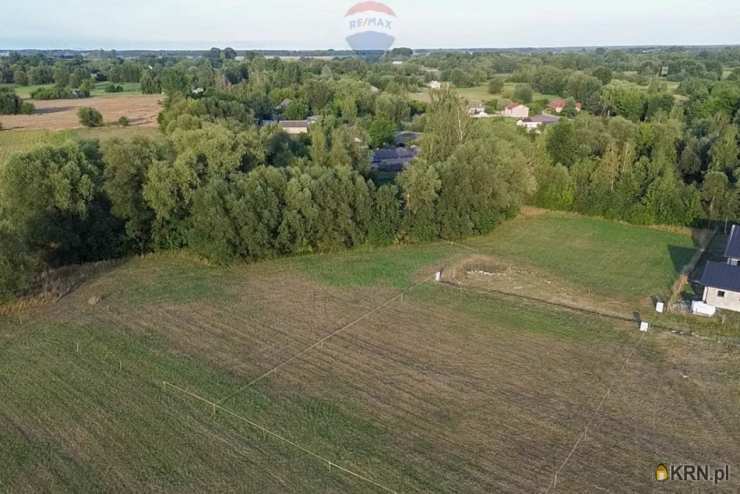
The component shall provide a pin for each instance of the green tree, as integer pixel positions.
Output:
(420, 184)
(523, 93)
(496, 85)
(127, 165)
(382, 133)
(90, 117)
(386, 216)
(563, 143)
(447, 126)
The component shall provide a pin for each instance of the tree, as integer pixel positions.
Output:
(483, 182)
(17, 265)
(297, 110)
(386, 216)
(229, 53)
(392, 108)
(447, 126)
(41, 75)
(604, 74)
(620, 98)
(523, 93)
(127, 165)
(563, 143)
(20, 77)
(716, 196)
(496, 85)
(10, 103)
(150, 83)
(52, 197)
(382, 133)
(420, 184)
(90, 117)
(724, 151)
(586, 89)
(61, 74)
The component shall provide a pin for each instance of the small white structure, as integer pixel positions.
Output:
(516, 110)
(435, 85)
(660, 307)
(702, 309)
(438, 276)
(644, 327)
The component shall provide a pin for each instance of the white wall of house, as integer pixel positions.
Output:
(520, 111)
(722, 299)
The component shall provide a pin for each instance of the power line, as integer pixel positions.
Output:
(319, 343)
(279, 437)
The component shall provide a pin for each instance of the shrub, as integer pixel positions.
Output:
(55, 92)
(113, 88)
(27, 108)
(123, 122)
(90, 117)
(10, 103)
(496, 85)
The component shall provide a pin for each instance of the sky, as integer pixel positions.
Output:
(289, 24)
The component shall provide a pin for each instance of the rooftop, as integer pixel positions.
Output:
(722, 276)
(543, 119)
(293, 124)
(733, 243)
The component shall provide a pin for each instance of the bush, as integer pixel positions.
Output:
(90, 117)
(113, 88)
(10, 103)
(27, 108)
(55, 92)
(496, 85)
(123, 122)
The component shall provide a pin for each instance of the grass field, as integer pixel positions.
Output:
(607, 258)
(24, 140)
(129, 88)
(480, 94)
(417, 386)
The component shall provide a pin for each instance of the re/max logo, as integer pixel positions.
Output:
(695, 473)
(367, 22)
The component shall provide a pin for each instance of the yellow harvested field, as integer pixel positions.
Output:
(141, 111)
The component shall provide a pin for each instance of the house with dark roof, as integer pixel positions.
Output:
(406, 137)
(534, 123)
(721, 280)
(393, 159)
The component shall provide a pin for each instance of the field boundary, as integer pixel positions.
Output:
(217, 407)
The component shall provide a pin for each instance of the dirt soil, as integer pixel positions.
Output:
(491, 273)
(141, 110)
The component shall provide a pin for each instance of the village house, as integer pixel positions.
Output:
(406, 137)
(435, 85)
(295, 127)
(394, 159)
(559, 104)
(478, 111)
(516, 110)
(721, 280)
(534, 123)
